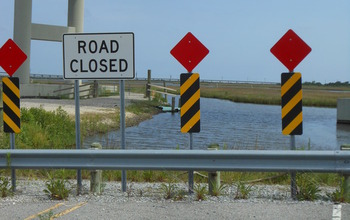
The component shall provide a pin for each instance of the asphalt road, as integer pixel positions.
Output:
(172, 210)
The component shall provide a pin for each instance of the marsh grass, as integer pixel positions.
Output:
(319, 96)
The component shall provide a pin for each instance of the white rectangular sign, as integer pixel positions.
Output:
(98, 56)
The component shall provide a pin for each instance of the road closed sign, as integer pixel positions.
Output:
(98, 56)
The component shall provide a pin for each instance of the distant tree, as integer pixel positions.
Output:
(313, 83)
(338, 83)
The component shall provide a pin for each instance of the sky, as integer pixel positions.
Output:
(238, 33)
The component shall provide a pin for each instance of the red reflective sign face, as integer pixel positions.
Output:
(189, 51)
(11, 57)
(290, 50)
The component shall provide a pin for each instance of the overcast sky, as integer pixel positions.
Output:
(238, 33)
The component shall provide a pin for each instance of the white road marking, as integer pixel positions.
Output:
(336, 212)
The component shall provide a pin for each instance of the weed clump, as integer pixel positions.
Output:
(57, 189)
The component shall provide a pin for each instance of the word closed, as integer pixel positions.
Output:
(292, 114)
(190, 98)
(98, 56)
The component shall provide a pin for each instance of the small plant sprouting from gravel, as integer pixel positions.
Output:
(46, 216)
(307, 189)
(130, 190)
(5, 186)
(200, 191)
(169, 190)
(339, 194)
(243, 190)
(218, 189)
(57, 188)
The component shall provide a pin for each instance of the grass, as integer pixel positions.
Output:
(319, 96)
(57, 188)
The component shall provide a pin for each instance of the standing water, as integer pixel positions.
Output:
(233, 126)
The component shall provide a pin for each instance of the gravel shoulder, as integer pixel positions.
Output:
(146, 201)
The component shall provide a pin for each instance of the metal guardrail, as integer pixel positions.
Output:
(221, 160)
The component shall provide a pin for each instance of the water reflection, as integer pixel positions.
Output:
(233, 126)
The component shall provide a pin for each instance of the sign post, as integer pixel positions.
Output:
(11, 58)
(99, 56)
(190, 52)
(290, 50)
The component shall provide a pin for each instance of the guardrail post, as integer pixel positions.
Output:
(95, 95)
(172, 105)
(165, 90)
(213, 177)
(346, 176)
(96, 175)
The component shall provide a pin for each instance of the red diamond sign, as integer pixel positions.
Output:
(290, 50)
(189, 51)
(11, 57)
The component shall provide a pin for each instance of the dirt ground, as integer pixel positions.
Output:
(92, 105)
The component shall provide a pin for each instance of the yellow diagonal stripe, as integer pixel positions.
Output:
(12, 86)
(297, 120)
(11, 105)
(43, 212)
(65, 212)
(290, 105)
(186, 106)
(290, 82)
(11, 124)
(187, 84)
(191, 123)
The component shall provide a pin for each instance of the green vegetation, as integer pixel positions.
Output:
(242, 190)
(339, 194)
(42, 129)
(218, 189)
(5, 186)
(169, 190)
(307, 189)
(200, 191)
(57, 188)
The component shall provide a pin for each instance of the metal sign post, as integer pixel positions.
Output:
(122, 127)
(190, 172)
(77, 130)
(293, 181)
(13, 171)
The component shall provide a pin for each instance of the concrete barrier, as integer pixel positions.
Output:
(343, 111)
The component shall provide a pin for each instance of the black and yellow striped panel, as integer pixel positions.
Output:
(11, 107)
(190, 99)
(292, 114)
